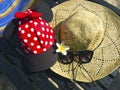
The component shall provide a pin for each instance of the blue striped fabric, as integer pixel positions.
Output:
(8, 8)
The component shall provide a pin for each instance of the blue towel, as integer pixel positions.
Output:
(8, 8)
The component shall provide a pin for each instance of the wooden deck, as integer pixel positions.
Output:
(50, 81)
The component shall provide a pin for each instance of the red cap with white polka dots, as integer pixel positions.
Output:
(35, 34)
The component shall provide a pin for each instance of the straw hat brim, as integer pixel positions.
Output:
(106, 57)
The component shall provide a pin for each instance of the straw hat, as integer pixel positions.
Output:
(93, 34)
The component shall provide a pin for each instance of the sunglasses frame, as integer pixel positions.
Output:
(81, 57)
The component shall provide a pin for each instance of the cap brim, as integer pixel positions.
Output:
(42, 61)
(32, 63)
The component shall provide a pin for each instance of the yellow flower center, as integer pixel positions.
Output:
(62, 48)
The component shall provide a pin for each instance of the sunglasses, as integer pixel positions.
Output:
(80, 57)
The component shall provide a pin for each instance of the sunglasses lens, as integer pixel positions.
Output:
(66, 59)
(85, 56)
(82, 57)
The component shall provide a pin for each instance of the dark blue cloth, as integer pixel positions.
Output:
(53, 3)
(15, 74)
(8, 8)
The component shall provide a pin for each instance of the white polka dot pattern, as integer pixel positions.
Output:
(28, 35)
(26, 26)
(22, 31)
(36, 36)
(38, 33)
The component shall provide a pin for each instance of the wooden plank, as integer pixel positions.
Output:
(115, 85)
(54, 83)
(106, 81)
(41, 80)
(5, 84)
(14, 74)
(78, 86)
(63, 83)
(60, 83)
(114, 73)
(91, 86)
(86, 86)
(95, 87)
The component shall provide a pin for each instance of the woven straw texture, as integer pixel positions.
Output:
(84, 25)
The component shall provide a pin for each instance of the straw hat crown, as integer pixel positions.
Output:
(83, 30)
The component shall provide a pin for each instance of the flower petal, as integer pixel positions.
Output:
(64, 53)
(57, 44)
(62, 48)
(57, 50)
(67, 47)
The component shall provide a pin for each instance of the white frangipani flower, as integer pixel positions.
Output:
(62, 48)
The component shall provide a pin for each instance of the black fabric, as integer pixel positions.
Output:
(11, 52)
(108, 5)
(10, 29)
(15, 74)
(45, 10)
(53, 3)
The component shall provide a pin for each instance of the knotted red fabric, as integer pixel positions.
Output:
(35, 34)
